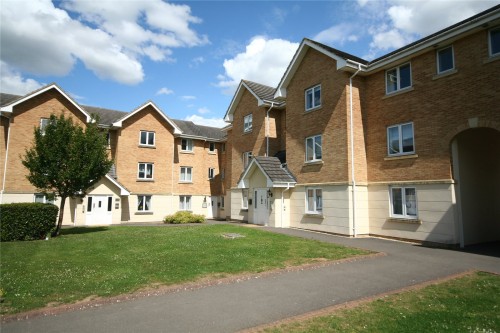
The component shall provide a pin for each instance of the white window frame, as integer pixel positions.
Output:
(184, 175)
(185, 202)
(314, 152)
(405, 206)
(144, 205)
(490, 44)
(311, 92)
(189, 144)
(247, 123)
(148, 135)
(211, 147)
(388, 79)
(400, 140)
(43, 124)
(146, 166)
(43, 197)
(244, 198)
(246, 158)
(438, 61)
(211, 173)
(317, 208)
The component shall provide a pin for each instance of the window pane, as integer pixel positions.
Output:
(445, 58)
(39, 198)
(309, 149)
(405, 76)
(317, 147)
(393, 137)
(407, 137)
(143, 137)
(397, 201)
(140, 202)
(89, 204)
(309, 99)
(310, 200)
(110, 203)
(392, 80)
(317, 96)
(147, 202)
(411, 201)
(142, 167)
(319, 200)
(151, 139)
(188, 203)
(495, 41)
(189, 174)
(149, 168)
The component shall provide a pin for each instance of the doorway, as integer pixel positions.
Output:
(261, 207)
(99, 209)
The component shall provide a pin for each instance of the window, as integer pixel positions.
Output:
(313, 149)
(313, 97)
(494, 42)
(445, 61)
(42, 198)
(403, 202)
(247, 158)
(211, 147)
(247, 123)
(222, 202)
(185, 202)
(223, 147)
(43, 124)
(145, 171)
(144, 203)
(398, 78)
(400, 139)
(244, 198)
(314, 201)
(147, 138)
(211, 172)
(186, 174)
(89, 204)
(108, 139)
(186, 145)
(110, 203)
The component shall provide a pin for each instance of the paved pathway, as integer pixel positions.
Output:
(236, 306)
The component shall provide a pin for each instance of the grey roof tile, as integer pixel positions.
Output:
(190, 128)
(275, 170)
(264, 92)
(106, 116)
(6, 99)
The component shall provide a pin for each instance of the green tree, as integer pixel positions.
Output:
(66, 160)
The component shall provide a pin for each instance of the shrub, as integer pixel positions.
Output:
(184, 217)
(27, 221)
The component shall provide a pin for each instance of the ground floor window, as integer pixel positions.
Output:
(144, 203)
(314, 200)
(185, 202)
(42, 198)
(244, 199)
(222, 202)
(403, 202)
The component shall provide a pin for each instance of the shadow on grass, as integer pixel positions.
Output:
(82, 230)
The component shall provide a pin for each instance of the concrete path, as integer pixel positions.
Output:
(244, 304)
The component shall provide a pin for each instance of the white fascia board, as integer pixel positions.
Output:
(281, 185)
(123, 190)
(234, 102)
(203, 138)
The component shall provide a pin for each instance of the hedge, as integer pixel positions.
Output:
(184, 217)
(26, 221)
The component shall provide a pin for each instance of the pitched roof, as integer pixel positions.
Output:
(106, 116)
(276, 173)
(190, 129)
(339, 53)
(6, 99)
(261, 91)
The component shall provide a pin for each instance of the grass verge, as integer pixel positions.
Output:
(466, 304)
(109, 261)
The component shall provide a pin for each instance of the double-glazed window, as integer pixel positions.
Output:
(147, 138)
(400, 139)
(186, 145)
(313, 97)
(185, 202)
(43, 124)
(314, 148)
(445, 60)
(144, 203)
(211, 173)
(247, 123)
(186, 174)
(42, 198)
(247, 158)
(403, 202)
(314, 200)
(244, 198)
(398, 78)
(494, 41)
(211, 147)
(145, 171)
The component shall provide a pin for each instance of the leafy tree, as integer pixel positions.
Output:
(66, 160)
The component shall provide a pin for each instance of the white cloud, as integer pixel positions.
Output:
(188, 98)
(109, 37)
(264, 61)
(165, 91)
(337, 34)
(196, 62)
(12, 82)
(214, 122)
(203, 110)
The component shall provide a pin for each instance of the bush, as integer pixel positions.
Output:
(184, 217)
(27, 221)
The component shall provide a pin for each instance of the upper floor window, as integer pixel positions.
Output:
(400, 139)
(404, 202)
(313, 148)
(313, 97)
(43, 124)
(247, 123)
(186, 145)
(211, 147)
(144, 203)
(398, 78)
(211, 173)
(314, 200)
(247, 158)
(223, 147)
(186, 174)
(147, 138)
(494, 41)
(145, 171)
(445, 60)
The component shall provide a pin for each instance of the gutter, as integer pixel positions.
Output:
(352, 153)
(5, 163)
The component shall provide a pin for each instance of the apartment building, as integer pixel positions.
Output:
(162, 165)
(405, 146)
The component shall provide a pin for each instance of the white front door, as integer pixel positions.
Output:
(260, 207)
(99, 209)
(212, 207)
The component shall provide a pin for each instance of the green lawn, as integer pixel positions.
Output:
(467, 304)
(107, 261)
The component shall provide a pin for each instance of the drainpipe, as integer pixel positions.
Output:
(352, 154)
(268, 129)
(5, 164)
(283, 202)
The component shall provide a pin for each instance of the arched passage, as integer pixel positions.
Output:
(476, 170)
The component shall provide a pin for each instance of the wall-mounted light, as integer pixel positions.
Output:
(269, 194)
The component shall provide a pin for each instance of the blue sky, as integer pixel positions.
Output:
(189, 56)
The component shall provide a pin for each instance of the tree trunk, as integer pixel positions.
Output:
(60, 219)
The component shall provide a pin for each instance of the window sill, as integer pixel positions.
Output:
(247, 132)
(315, 215)
(492, 58)
(313, 163)
(244, 210)
(398, 92)
(147, 146)
(212, 153)
(409, 220)
(187, 152)
(444, 74)
(145, 180)
(313, 109)
(143, 213)
(185, 182)
(400, 157)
